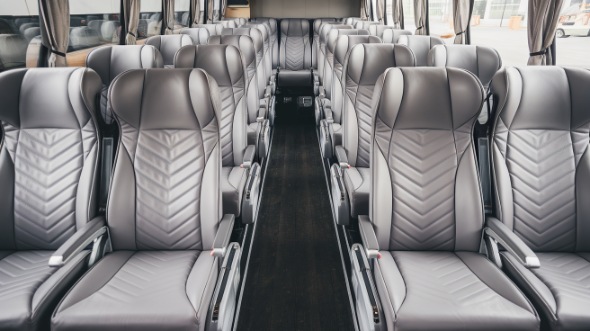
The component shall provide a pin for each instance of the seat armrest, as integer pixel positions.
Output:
(328, 114)
(499, 232)
(261, 116)
(223, 235)
(268, 91)
(322, 92)
(80, 240)
(368, 237)
(249, 155)
(342, 157)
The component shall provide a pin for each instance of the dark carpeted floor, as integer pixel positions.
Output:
(295, 278)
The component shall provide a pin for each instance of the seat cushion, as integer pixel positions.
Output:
(449, 291)
(30, 288)
(358, 186)
(560, 288)
(233, 181)
(147, 290)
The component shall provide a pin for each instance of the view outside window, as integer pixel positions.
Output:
(19, 24)
(441, 19)
(94, 23)
(573, 34)
(181, 9)
(150, 19)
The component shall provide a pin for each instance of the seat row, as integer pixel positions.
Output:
(406, 172)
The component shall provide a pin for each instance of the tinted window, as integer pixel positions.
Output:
(19, 24)
(150, 19)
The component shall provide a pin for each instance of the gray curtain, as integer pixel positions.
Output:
(196, 17)
(211, 11)
(381, 11)
(365, 9)
(131, 17)
(55, 30)
(168, 16)
(542, 21)
(223, 4)
(397, 11)
(420, 16)
(461, 18)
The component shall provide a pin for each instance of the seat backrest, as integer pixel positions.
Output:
(420, 45)
(25, 26)
(31, 33)
(228, 23)
(295, 48)
(248, 53)
(484, 62)
(351, 20)
(363, 65)
(329, 63)
(389, 34)
(347, 39)
(256, 36)
(110, 61)
(364, 25)
(274, 37)
(83, 37)
(425, 193)
(214, 29)
(541, 156)
(168, 45)
(224, 64)
(200, 36)
(322, 60)
(13, 49)
(110, 31)
(165, 192)
(96, 25)
(267, 58)
(48, 155)
(317, 25)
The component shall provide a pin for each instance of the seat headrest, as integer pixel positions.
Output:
(392, 36)
(110, 61)
(214, 29)
(168, 45)
(242, 42)
(366, 62)
(327, 27)
(294, 27)
(263, 28)
(200, 36)
(484, 62)
(222, 62)
(542, 98)
(346, 42)
(253, 33)
(335, 33)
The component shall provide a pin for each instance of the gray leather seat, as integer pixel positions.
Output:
(341, 42)
(110, 31)
(228, 23)
(351, 20)
(83, 37)
(214, 29)
(164, 210)
(295, 46)
(13, 49)
(363, 66)
(224, 64)
(315, 50)
(541, 167)
(426, 210)
(31, 33)
(48, 169)
(267, 54)
(256, 108)
(274, 37)
(364, 25)
(420, 45)
(388, 34)
(111, 61)
(168, 46)
(200, 36)
(325, 29)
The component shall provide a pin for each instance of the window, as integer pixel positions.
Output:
(573, 35)
(19, 24)
(150, 18)
(501, 24)
(181, 9)
(94, 23)
(440, 13)
(408, 9)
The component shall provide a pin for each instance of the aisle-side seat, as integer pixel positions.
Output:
(170, 241)
(341, 42)
(350, 177)
(200, 36)
(422, 239)
(315, 49)
(264, 29)
(110, 61)
(295, 53)
(168, 45)
(324, 31)
(257, 122)
(420, 46)
(48, 172)
(541, 168)
(240, 175)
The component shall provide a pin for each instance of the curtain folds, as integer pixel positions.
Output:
(365, 9)
(397, 13)
(420, 16)
(542, 20)
(461, 19)
(381, 11)
(168, 20)
(55, 30)
(196, 13)
(131, 17)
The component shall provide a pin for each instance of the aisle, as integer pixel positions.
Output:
(295, 279)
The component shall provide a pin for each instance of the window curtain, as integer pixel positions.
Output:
(131, 17)
(55, 30)
(223, 4)
(381, 11)
(461, 18)
(365, 9)
(542, 21)
(420, 16)
(196, 12)
(168, 20)
(397, 11)
(211, 11)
